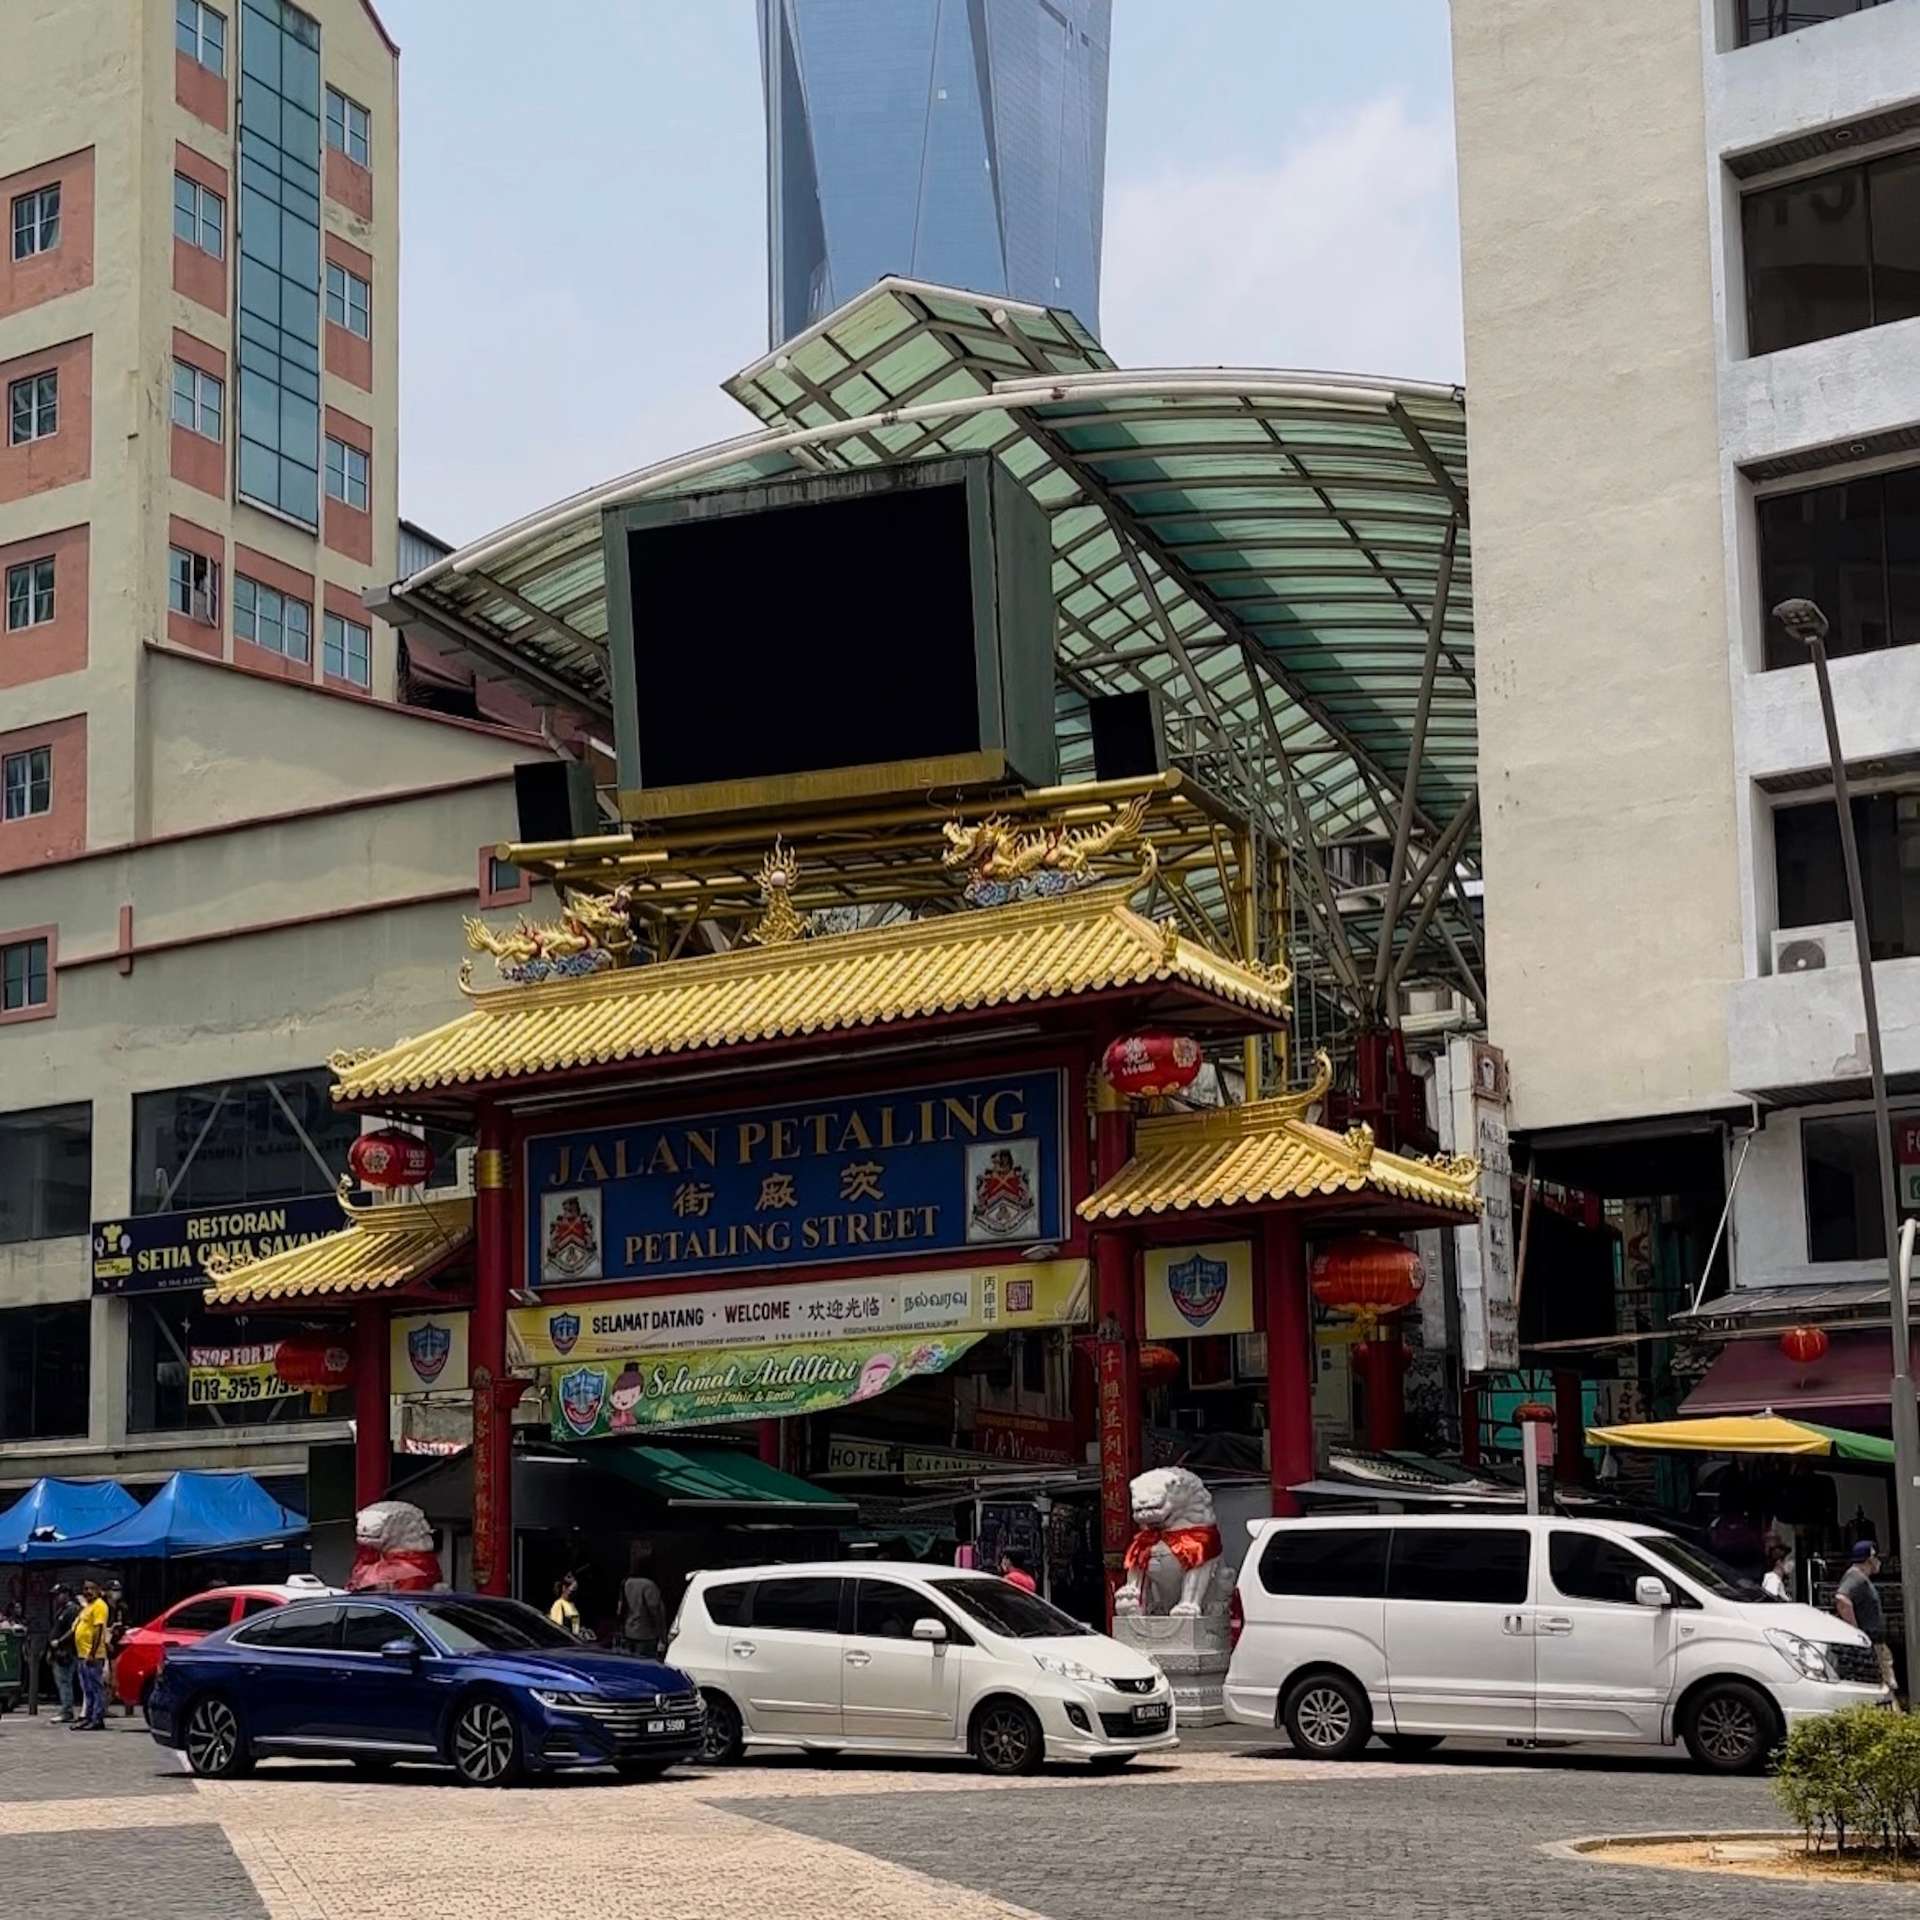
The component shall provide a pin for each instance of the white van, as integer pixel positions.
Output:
(875, 1656)
(1418, 1627)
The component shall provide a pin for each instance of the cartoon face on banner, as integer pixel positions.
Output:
(570, 1235)
(1003, 1188)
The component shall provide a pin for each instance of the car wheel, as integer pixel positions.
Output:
(1327, 1717)
(1410, 1746)
(1730, 1728)
(216, 1742)
(723, 1739)
(486, 1744)
(1007, 1738)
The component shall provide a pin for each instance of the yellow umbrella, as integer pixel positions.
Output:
(1744, 1433)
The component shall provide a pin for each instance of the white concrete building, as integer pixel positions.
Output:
(1691, 236)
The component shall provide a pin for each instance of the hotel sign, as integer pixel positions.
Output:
(951, 1168)
(157, 1252)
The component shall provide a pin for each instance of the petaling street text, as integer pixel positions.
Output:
(886, 1226)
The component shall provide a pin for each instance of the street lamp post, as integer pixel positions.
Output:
(1807, 623)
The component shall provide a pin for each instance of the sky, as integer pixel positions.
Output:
(583, 219)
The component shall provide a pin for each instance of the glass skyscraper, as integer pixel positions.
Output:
(959, 141)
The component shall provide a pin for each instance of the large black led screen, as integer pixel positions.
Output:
(801, 638)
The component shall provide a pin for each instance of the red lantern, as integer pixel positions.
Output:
(317, 1363)
(1141, 1064)
(1804, 1345)
(1368, 1276)
(392, 1157)
(1158, 1365)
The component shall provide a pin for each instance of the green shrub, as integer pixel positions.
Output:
(1855, 1772)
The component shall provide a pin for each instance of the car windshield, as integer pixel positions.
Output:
(491, 1626)
(1004, 1608)
(1701, 1567)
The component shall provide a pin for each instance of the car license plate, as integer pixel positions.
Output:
(666, 1726)
(1151, 1716)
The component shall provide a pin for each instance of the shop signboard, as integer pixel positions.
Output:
(1024, 1436)
(1199, 1290)
(591, 1401)
(1028, 1294)
(428, 1353)
(946, 1168)
(848, 1454)
(1489, 1317)
(157, 1252)
(236, 1376)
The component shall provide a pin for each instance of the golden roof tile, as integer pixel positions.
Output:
(379, 1249)
(1267, 1151)
(1038, 951)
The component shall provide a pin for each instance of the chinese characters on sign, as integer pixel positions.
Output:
(1489, 1320)
(1116, 1503)
(925, 1170)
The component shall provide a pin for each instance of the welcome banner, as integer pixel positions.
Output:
(721, 1383)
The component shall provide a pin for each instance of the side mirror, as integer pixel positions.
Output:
(1651, 1591)
(400, 1653)
(934, 1631)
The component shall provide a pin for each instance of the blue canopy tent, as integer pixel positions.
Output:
(200, 1513)
(58, 1520)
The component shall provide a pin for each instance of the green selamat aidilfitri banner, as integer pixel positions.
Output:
(656, 1391)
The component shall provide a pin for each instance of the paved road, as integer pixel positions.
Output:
(106, 1825)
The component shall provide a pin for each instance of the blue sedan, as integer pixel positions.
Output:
(488, 1686)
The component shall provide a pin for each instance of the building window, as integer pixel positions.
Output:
(33, 408)
(44, 1353)
(347, 127)
(23, 976)
(1832, 253)
(349, 301)
(199, 216)
(36, 221)
(1810, 880)
(277, 406)
(46, 1173)
(275, 1137)
(1769, 19)
(503, 876)
(26, 784)
(168, 1335)
(1841, 1164)
(198, 400)
(346, 474)
(193, 585)
(348, 650)
(1853, 546)
(272, 620)
(201, 34)
(29, 594)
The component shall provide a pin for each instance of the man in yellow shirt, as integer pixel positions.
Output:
(90, 1649)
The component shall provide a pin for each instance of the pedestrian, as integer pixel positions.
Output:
(1857, 1601)
(1778, 1580)
(643, 1613)
(60, 1653)
(1013, 1570)
(564, 1613)
(90, 1649)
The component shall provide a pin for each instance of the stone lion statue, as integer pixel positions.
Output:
(1177, 1548)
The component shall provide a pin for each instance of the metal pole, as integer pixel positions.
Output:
(1806, 622)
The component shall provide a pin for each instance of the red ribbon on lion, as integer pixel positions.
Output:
(1191, 1546)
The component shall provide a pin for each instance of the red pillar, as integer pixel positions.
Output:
(372, 1402)
(1569, 1427)
(1382, 1364)
(768, 1434)
(1283, 1273)
(493, 1394)
(1116, 1347)
(1470, 1427)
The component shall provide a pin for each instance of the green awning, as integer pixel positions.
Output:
(715, 1479)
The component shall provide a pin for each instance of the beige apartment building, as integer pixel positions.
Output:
(1691, 244)
(239, 820)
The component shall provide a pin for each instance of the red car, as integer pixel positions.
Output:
(189, 1620)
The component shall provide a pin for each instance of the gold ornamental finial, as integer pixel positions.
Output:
(780, 922)
(1360, 1144)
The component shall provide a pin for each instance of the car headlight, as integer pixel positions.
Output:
(1068, 1669)
(548, 1698)
(1811, 1658)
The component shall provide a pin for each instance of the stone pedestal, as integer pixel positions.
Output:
(1192, 1650)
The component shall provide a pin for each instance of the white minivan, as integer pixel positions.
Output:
(1529, 1628)
(893, 1657)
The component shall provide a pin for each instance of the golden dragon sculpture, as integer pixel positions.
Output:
(592, 934)
(1003, 862)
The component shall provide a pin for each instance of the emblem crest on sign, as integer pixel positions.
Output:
(1003, 1182)
(1198, 1286)
(563, 1329)
(572, 1246)
(427, 1350)
(583, 1393)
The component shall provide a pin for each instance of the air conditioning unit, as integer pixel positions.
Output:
(1814, 949)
